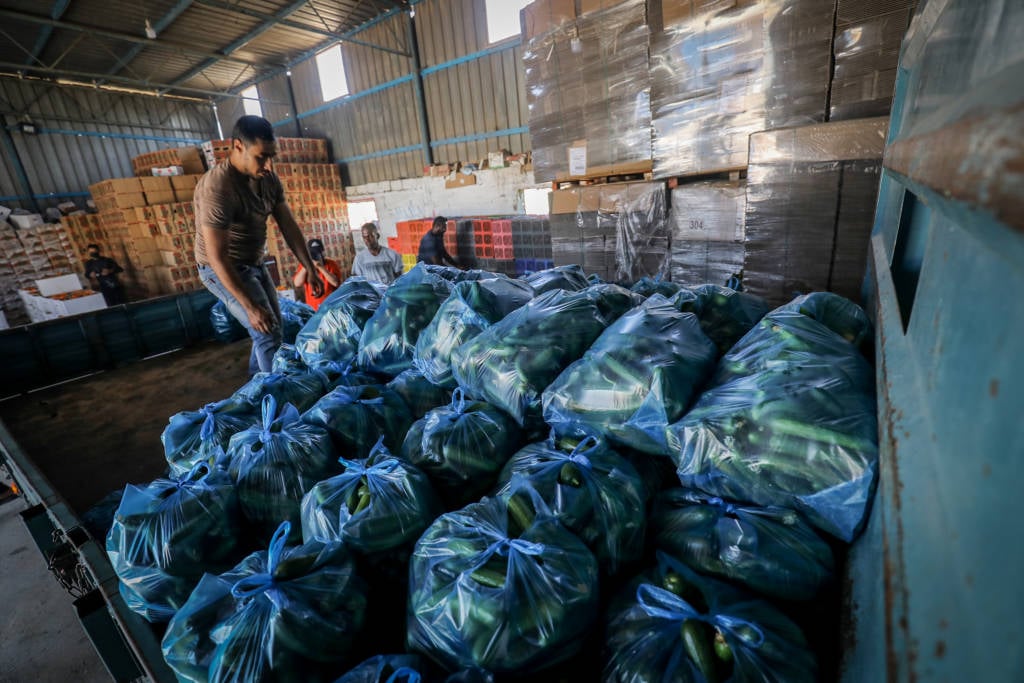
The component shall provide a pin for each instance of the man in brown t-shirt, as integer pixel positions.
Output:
(232, 202)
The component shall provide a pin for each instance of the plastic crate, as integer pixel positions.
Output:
(408, 261)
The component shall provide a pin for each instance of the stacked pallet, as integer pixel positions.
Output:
(28, 255)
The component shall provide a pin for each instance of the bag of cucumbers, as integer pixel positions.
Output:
(770, 550)
(500, 590)
(280, 615)
(461, 448)
(301, 390)
(789, 421)
(226, 327)
(725, 314)
(166, 534)
(409, 668)
(569, 278)
(649, 286)
(511, 363)
(674, 625)
(594, 492)
(420, 394)
(276, 462)
(388, 344)
(472, 307)
(638, 377)
(294, 315)
(288, 361)
(195, 436)
(333, 332)
(355, 417)
(375, 505)
(837, 313)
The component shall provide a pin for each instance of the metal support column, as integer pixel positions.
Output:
(295, 108)
(421, 102)
(19, 168)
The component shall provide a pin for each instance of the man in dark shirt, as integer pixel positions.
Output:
(102, 275)
(432, 249)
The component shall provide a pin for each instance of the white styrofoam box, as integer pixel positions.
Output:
(25, 220)
(58, 285)
(93, 302)
(4, 213)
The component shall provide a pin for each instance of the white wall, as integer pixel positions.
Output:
(497, 192)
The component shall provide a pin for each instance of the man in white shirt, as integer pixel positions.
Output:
(377, 263)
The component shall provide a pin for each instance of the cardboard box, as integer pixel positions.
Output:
(460, 180)
(174, 258)
(164, 197)
(156, 184)
(25, 221)
(496, 160)
(543, 16)
(185, 182)
(58, 285)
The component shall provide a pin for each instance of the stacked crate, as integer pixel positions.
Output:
(188, 159)
(409, 235)
(289, 150)
(28, 255)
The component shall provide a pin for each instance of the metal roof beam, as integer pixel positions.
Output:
(56, 12)
(251, 35)
(161, 24)
(94, 79)
(240, 9)
(116, 35)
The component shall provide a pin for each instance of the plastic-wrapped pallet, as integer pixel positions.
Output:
(720, 74)
(707, 231)
(810, 206)
(867, 50)
(588, 88)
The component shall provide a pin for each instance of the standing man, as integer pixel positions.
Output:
(102, 275)
(232, 202)
(327, 269)
(432, 249)
(377, 263)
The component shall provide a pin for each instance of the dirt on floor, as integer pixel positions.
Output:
(95, 435)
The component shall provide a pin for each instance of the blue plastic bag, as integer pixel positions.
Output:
(840, 315)
(226, 328)
(471, 308)
(301, 390)
(649, 286)
(294, 315)
(376, 505)
(770, 550)
(507, 600)
(725, 314)
(568, 278)
(594, 492)
(356, 417)
(789, 421)
(276, 462)
(332, 333)
(288, 361)
(511, 362)
(462, 447)
(639, 376)
(166, 534)
(408, 668)
(278, 615)
(665, 625)
(420, 394)
(388, 344)
(196, 436)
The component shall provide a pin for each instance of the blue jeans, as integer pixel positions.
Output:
(260, 288)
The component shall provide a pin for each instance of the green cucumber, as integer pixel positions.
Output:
(697, 645)
(569, 475)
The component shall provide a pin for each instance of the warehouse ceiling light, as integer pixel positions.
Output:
(150, 31)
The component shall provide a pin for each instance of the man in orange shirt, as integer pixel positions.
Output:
(328, 270)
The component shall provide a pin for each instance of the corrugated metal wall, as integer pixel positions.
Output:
(86, 136)
(474, 92)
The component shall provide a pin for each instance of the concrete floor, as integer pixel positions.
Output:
(41, 639)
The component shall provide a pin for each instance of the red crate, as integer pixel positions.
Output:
(395, 244)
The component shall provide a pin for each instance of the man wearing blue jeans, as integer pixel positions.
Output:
(232, 202)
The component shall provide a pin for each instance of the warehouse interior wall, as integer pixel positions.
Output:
(496, 192)
(84, 135)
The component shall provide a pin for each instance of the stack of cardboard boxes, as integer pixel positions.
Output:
(187, 159)
(27, 255)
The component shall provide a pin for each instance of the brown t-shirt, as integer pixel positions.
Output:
(228, 200)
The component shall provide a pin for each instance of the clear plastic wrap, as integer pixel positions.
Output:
(643, 233)
(462, 447)
(388, 344)
(649, 286)
(674, 625)
(225, 327)
(333, 332)
(867, 50)
(279, 615)
(276, 462)
(769, 550)
(840, 315)
(596, 493)
(731, 70)
(707, 231)
(471, 308)
(638, 377)
(294, 316)
(409, 668)
(356, 417)
(420, 394)
(811, 194)
(588, 87)
(376, 505)
(571, 278)
(300, 390)
(725, 314)
(511, 363)
(789, 421)
(194, 436)
(166, 534)
(505, 596)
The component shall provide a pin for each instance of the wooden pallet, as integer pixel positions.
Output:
(730, 174)
(602, 175)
